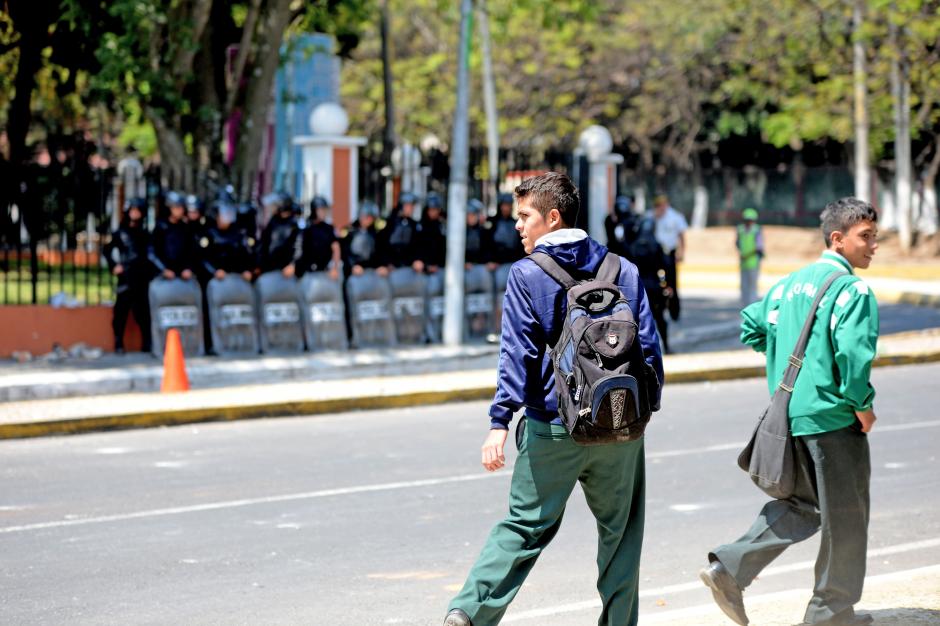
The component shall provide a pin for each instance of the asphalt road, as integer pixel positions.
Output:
(375, 517)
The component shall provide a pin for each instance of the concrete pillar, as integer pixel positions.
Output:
(597, 144)
(331, 162)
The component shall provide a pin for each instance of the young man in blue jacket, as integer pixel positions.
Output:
(549, 462)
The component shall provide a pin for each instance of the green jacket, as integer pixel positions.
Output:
(834, 381)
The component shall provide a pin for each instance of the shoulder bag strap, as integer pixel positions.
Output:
(796, 359)
(551, 267)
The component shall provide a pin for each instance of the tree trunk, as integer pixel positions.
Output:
(175, 165)
(900, 94)
(700, 195)
(862, 166)
(258, 94)
(33, 25)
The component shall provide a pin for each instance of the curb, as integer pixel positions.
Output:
(177, 417)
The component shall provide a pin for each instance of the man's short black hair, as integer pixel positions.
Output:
(844, 213)
(552, 190)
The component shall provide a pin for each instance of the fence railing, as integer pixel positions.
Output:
(54, 230)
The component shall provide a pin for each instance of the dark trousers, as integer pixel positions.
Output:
(672, 280)
(834, 471)
(131, 298)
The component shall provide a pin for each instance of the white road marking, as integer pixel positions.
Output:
(231, 504)
(659, 592)
(75, 520)
(686, 508)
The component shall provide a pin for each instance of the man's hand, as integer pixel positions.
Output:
(247, 276)
(118, 270)
(418, 266)
(493, 457)
(357, 270)
(169, 274)
(186, 274)
(334, 273)
(220, 274)
(288, 271)
(867, 418)
(491, 266)
(382, 271)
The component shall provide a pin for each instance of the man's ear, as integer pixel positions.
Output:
(836, 237)
(554, 218)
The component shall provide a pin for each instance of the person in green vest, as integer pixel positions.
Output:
(750, 244)
(830, 414)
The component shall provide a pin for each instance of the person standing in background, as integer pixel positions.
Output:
(670, 233)
(750, 244)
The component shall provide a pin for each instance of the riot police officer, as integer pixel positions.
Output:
(319, 248)
(507, 245)
(228, 250)
(477, 245)
(620, 226)
(360, 243)
(171, 247)
(398, 241)
(127, 257)
(279, 240)
(432, 236)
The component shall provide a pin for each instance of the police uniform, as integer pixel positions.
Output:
(398, 241)
(834, 466)
(316, 248)
(360, 247)
(432, 242)
(172, 247)
(279, 243)
(507, 245)
(128, 248)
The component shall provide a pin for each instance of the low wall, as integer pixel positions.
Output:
(37, 328)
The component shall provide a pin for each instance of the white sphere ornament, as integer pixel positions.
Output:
(596, 141)
(329, 119)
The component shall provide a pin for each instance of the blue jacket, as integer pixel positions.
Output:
(533, 314)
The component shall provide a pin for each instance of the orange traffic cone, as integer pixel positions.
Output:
(174, 367)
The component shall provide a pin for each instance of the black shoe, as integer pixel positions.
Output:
(725, 591)
(119, 350)
(456, 617)
(846, 618)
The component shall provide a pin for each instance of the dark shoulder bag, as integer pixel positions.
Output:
(769, 457)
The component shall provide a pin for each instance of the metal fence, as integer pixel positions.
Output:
(55, 224)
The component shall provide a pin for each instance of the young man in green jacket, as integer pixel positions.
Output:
(830, 414)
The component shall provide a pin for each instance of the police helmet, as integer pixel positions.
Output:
(174, 198)
(319, 202)
(504, 198)
(367, 207)
(475, 206)
(193, 203)
(407, 198)
(433, 201)
(623, 204)
(226, 212)
(750, 214)
(136, 203)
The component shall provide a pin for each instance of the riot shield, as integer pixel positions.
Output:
(278, 299)
(435, 297)
(370, 311)
(324, 312)
(500, 278)
(408, 304)
(176, 303)
(232, 315)
(478, 303)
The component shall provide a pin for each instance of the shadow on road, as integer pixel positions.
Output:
(905, 617)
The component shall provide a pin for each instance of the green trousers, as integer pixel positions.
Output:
(547, 467)
(834, 471)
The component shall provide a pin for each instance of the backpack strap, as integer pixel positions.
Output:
(609, 269)
(551, 267)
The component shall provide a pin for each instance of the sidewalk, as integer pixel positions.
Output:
(137, 410)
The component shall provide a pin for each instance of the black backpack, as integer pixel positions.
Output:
(606, 389)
